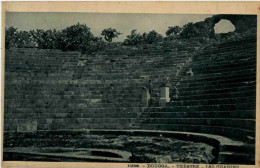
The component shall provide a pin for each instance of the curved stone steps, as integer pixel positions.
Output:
(238, 94)
(224, 93)
(222, 67)
(240, 47)
(170, 113)
(201, 86)
(217, 101)
(232, 132)
(193, 80)
(248, 124)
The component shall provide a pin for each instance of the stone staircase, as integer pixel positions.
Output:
(219, 99)
(67, 90)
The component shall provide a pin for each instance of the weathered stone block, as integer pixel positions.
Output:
(28, 125)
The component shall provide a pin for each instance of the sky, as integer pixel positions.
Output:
(123, 23)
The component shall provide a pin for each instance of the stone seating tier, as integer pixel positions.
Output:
(51, 90)
(108, 86)
(220, 98)
(107, 90)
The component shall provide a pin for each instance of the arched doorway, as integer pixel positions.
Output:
(224, 26)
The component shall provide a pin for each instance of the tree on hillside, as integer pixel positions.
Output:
(10, 36)
(146, 38)
(110, 33)
(173, 30)
(48, 39)
(74, 38)
(78, 38)
(24, 40)
(18, 39)
(134, 38)
(152, 37)
(189, 30)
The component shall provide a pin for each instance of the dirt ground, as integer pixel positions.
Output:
(143, 148)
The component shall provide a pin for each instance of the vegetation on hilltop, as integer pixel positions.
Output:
(74, 38)
(79, 37)
(110, 34)
(173, 30)
(146, 38)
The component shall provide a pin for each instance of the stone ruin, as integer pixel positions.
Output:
(51, 90)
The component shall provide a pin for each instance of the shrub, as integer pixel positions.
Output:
(95, 45)
(198, 29)
(24, 40)
(74, 38)
(189, 30)
(152, 37)
(110, 34)
(133, 39)
(146, 38)
(10, 34)
(18, 39)
(46, 39)
(79, 38)
(173, 30)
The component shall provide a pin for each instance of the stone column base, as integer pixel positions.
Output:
(163, 101)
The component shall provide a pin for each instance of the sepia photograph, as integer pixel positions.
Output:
(130, 88)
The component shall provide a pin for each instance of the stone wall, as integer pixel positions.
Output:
(220, 97)
(53, 90)
(241, 23)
